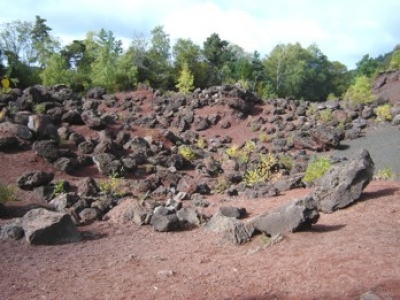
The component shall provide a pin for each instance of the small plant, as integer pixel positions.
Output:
(262, 172)
(39, 108)
(386, 173)
(383, 113)
(360, 91)
(287, 161)
(59, 188)
(326, 115)
(232, 151)
(7, 193)
(187, 153)
(221, 184)
(341, 126)
(201, 143)
(249, 147)
(112, 185)
(311, 111)
(317, 168)
(263, 137)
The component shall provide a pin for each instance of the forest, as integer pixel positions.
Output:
(30, 54)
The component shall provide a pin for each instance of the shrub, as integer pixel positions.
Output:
(383, 113)
(263, 137)
(39, 108)
(286, 161)
(317, 168)
(232, 151)
(201, 143)
(187, 153)
(360, 91)
(112, 185)
(326, 115)
(249, 147)
(386, 173)
(311, 111)
(221, 184)
(262, 172)
(59, 188)
(7, 193)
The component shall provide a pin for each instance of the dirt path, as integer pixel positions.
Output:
(347, 253)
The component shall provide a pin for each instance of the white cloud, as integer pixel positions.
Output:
(344, 30)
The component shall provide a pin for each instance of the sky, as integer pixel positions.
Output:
(344, 30)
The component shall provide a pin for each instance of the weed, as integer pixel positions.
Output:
(383, 113)
(221, 184)
(232, 151)
(249, 147)
(386, 173)
(341, 126)
(59, 188)
(263, 170)
(187, 153)
(201, 143)
(311, 111)
(112, 185)
(39, 108)
(7, 193)
(317, 168)
(263, 137)
(326, 115)
(287, 161)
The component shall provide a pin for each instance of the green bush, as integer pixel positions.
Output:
(386, 173)
(7, 193)
(317, 168)
(263, 170)
(360, 91)
(326, 115)
(383, 113)
(187, 153)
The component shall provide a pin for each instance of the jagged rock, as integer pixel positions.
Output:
(9, 134)
(86, 147)
(370, 296)
(33, 179)
(102, 162)
(130, 210)
(295, 215)
(44, 227)
(11, 231)
(88, 216)
(64, 200)
(47, 149)
(343, 184)
(65, 164)
(232, 229)
(232, 212)
(165, 223)
(72, 117)
(43, 126)
(87, 187)
(189, 215)
(327, 137)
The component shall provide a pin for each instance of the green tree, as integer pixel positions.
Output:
(214, 51)
(366, 66)
(360, 91)
(43, 43)
(395, 59)
(185, 80)
(57, 71)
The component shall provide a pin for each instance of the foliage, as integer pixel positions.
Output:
(39, 108)
(263, 137)
(383, 113)
(317, 168)
(386, 173)
(395, 59)
(326, 115)
(287, 161)
(262, 171)
(7, 193)
(56, 72)
(201, 143)
(185, 80)
(221, 184)
(111, 185)
(187, 153)
(248, 147)
(311, 111)
(59, 188)
(232, 151)
(366, 66)
(360, 91)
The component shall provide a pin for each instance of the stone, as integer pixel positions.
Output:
(189, 215)
(11, 231)
(88, 216)
(44, 227)
(43, 127)
(47, 149)
(165, 223)
(370, 296)
(33, 179)
(88, 187)
(343, 184)
(130, 211)
(290, 217)
(232, 212)
(63, 201)
(232, 229)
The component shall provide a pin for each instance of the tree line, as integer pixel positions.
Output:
(30, 55)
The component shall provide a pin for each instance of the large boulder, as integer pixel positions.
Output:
(131, 211)
(44, 227)
(43, 127)
(293, 216)
(343, 184)
(33, 179)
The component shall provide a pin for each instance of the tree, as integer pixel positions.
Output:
(360, 91)
(57, 71)
(159, 60)
(185, 80)
(366, 66)
(395, 59)
(43, 43)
